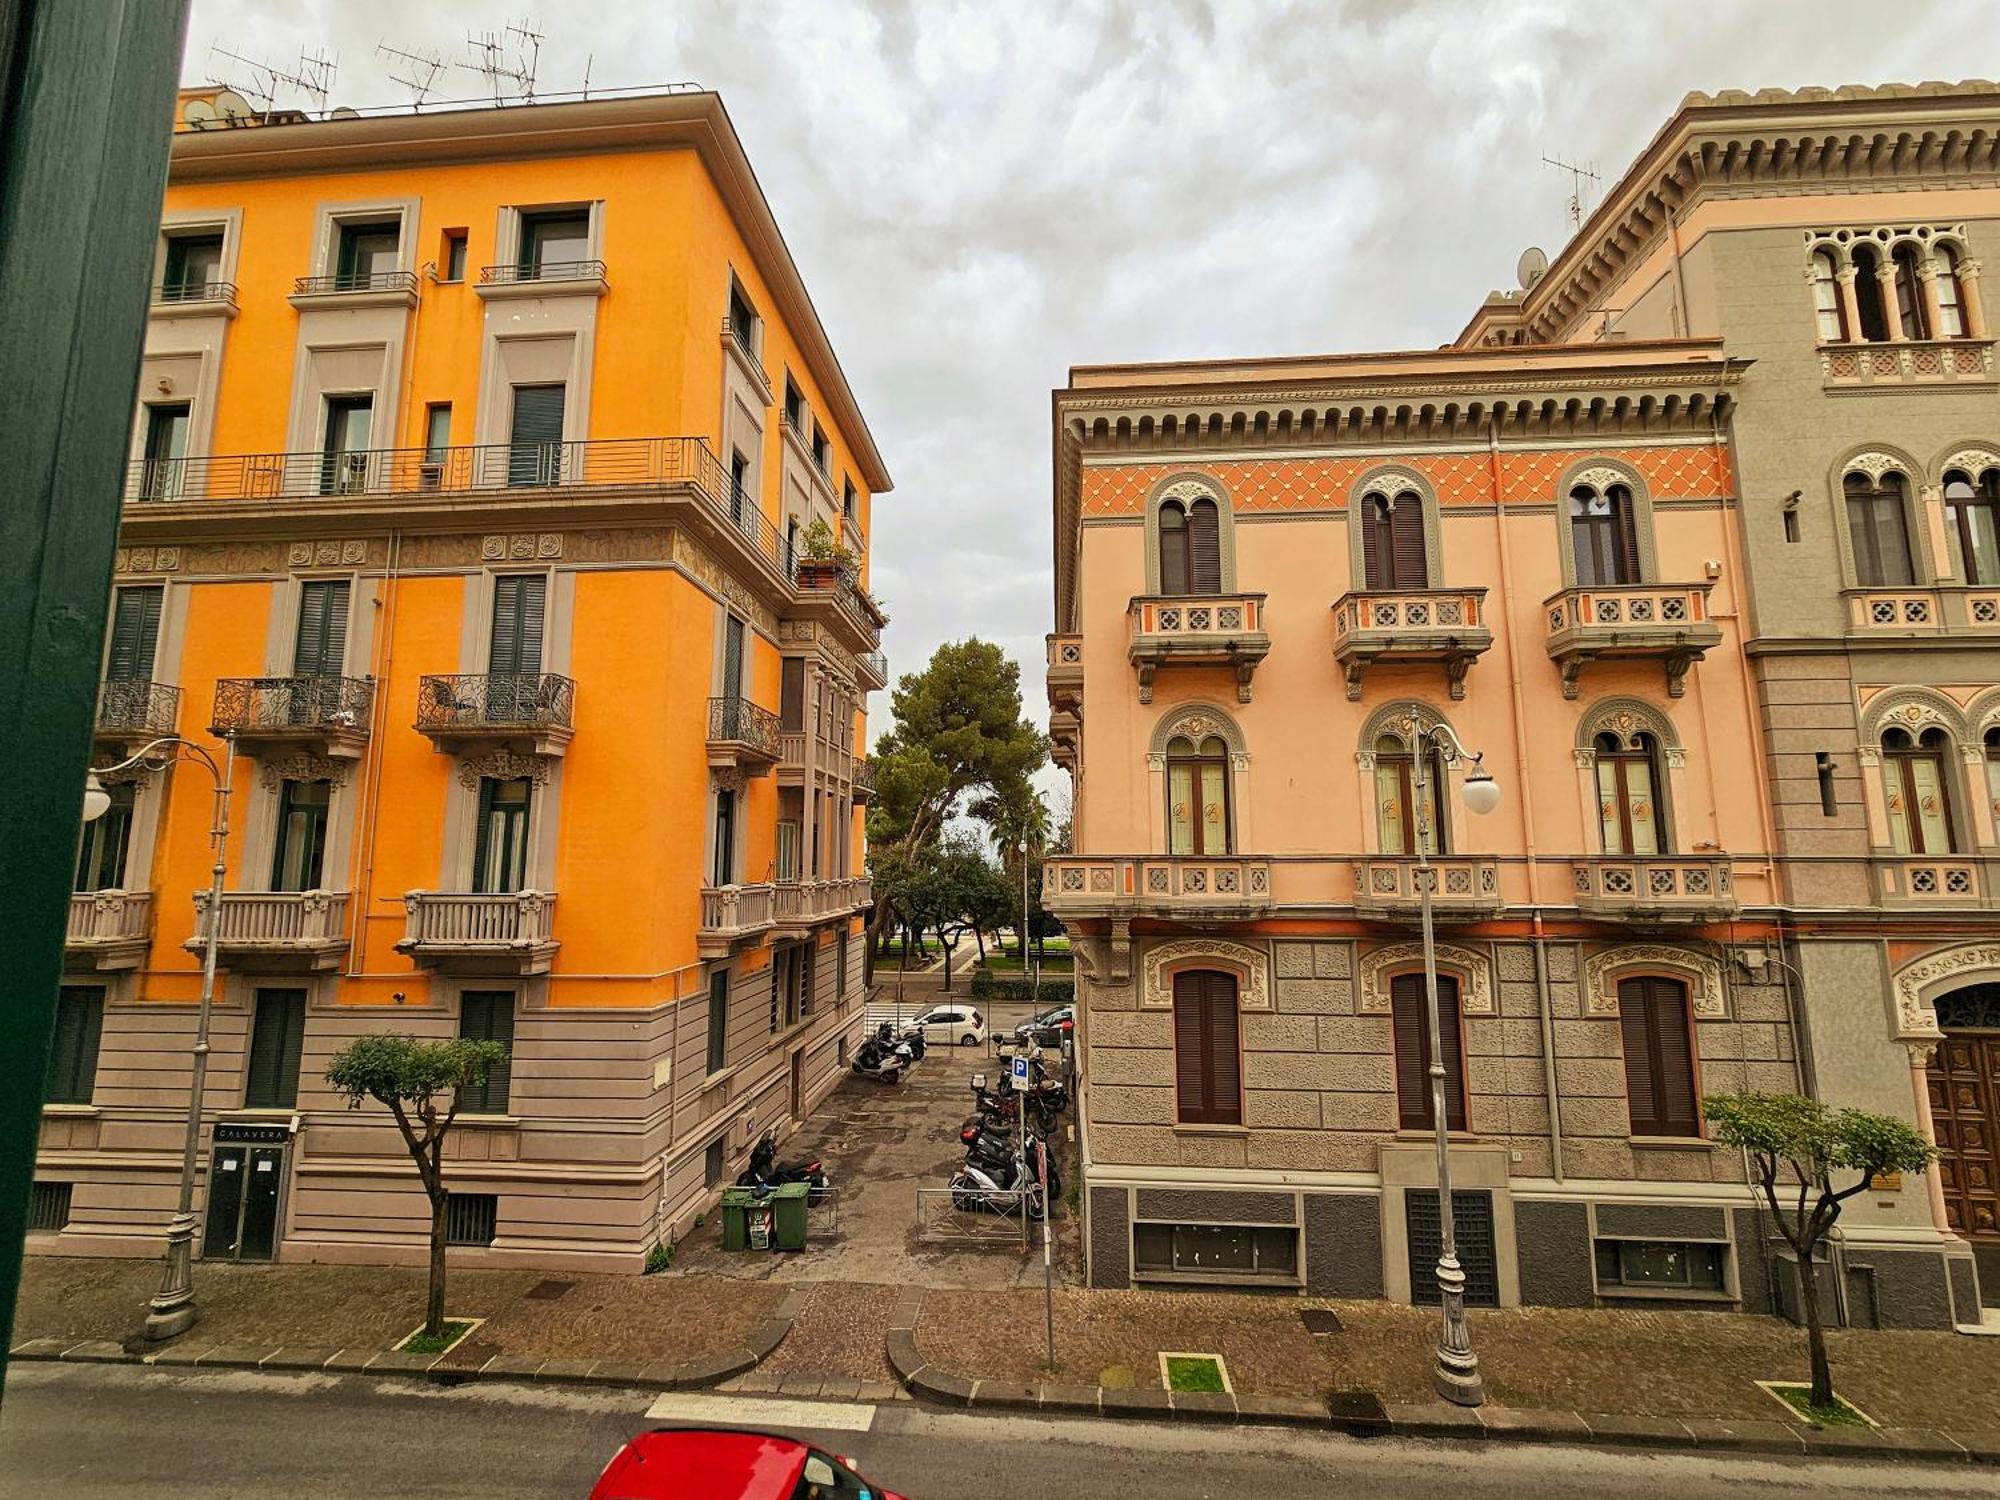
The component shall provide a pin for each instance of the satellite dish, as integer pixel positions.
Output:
(1531, 267)
(343, 112)
(232, 107)
(199, 114)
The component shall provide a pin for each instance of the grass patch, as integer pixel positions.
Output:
(1193, 1372)
(424, 1343)
(1798, 1398)
(1007, 963)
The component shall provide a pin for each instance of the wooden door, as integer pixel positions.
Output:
(1964, 1077)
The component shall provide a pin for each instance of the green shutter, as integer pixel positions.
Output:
(322, 642)
(277, 1037)
(732, 658)
(488, 1016)
(73, 1055)
(520, 606)
(135, 634)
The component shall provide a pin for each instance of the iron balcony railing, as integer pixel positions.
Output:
(495, 700)
(246, 705)
(864, 773)
(139, 706)
(739, 721)
(548, 270)
(196, 291)
(875, 665)
(355, 281)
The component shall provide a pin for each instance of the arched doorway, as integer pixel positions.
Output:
(1964, 1078)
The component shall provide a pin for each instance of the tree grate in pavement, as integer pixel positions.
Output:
(548, 1291)
(1320, 1320)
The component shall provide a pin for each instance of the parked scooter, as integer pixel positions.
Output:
(884, 1057)
(765, 1170)
(992, 1174)
(991, 1143)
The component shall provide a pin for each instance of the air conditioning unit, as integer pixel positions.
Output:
(430, 476)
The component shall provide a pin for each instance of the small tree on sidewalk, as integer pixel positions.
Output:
(409, 1075)
(1804, 1143)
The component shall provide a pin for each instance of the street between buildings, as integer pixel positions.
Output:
(85, 1433)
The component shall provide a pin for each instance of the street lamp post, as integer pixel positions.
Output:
(172, 1311)
(1456, 1376)
(1033, 966)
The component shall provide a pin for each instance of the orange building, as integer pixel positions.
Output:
(497, 500)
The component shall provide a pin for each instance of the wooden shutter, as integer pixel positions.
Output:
(1207, 1066)
(488, 1016)
(1659, 1063)
(135, 634)
(792, 695)
(1376, 564)
(1410, 1023)
(732, 658)
(520, 608)
(322, 643)
(482, 833)
(1204, 548)
(73, 1055)
(1627, 525)
(277, 1037)
(1173, 550)
(1409, 562)
(535, 440)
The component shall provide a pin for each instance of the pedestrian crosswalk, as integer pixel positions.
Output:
(763, 1413)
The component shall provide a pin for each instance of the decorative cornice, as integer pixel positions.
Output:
(1475, 994)
(1703, 974)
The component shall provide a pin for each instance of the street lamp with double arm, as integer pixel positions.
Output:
(172, 1310)
(1456, 1375)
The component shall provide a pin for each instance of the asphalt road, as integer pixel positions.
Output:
(71, 1432)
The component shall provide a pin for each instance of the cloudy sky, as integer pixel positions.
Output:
(982, 194)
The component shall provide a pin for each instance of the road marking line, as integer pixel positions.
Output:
(833, 1416)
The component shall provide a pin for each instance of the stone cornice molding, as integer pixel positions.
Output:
(1250, 964)
(1735, 144)
(1468, 965)
(1916, 984)
(1701, 972)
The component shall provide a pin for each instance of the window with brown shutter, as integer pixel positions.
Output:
(1204, 548)
(1207, 1065)
(1173, 549)
(1409, 1010)
(1604, 536)
(1659, 1060)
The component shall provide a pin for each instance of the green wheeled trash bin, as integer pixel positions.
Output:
(738, 1204)
(788, 1205)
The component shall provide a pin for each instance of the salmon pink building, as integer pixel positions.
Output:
(1688, 543)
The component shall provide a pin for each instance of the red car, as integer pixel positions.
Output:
(700, 1463)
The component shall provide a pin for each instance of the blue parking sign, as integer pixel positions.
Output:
(1020, 1070)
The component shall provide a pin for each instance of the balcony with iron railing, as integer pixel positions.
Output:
(1464, 887)
(108, 930)
(1663, 622)
(134, 711)
(327, 715)
(1197, 630)
(1198, 887)
(1400, 626)
(741, 736)
(548, 278)
(681, 473)
(830, 593)
(864, 780)
(277, 929)
(1653, 888)
(462, 710)
(471, 932)
(872, 669)
(737, 343)
(355, 289)
(195, 299)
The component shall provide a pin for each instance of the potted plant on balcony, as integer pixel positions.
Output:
(823, 562)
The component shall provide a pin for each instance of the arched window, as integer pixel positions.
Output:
(1602, 535)
(1208, 1070)
(1410, 1017)
(1659, 1056)
(1197, 796)
(1190, 548)
(1832, 317)
(1992, 768)
(1950, 295)
(1918, 791)
(1397, 810)
(1628, 793)
(1972, 514)
(1910, 310)
(1878, 529)
(1392, 542)
(1868, 294)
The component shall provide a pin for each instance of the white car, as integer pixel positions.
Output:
(952, 1024)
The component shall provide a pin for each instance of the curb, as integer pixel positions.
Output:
(700, 1373)
(1363, 1414)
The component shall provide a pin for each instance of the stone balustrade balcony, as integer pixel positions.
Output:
(1663, 622)
(1920, 880)
(277, 929)
(477, 932)
(1197, 630)
(1655, 888)
(1218, 888)
(1463, 886)
(1410, 625)
(108, 930)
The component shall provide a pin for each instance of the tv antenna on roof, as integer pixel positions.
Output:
(314, 78)
(492, 59)
(1578, 176)
(420, 71)
(263, 78)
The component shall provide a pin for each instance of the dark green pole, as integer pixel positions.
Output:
(86, 111)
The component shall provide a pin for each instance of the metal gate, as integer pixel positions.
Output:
(1472, 1218)
(941, 1220)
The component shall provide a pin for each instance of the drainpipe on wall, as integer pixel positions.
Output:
(371, 781)
(1548, 1019)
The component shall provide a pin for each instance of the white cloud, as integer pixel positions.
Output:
(981, 195)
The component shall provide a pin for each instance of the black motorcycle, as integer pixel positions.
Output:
(765, 1170)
